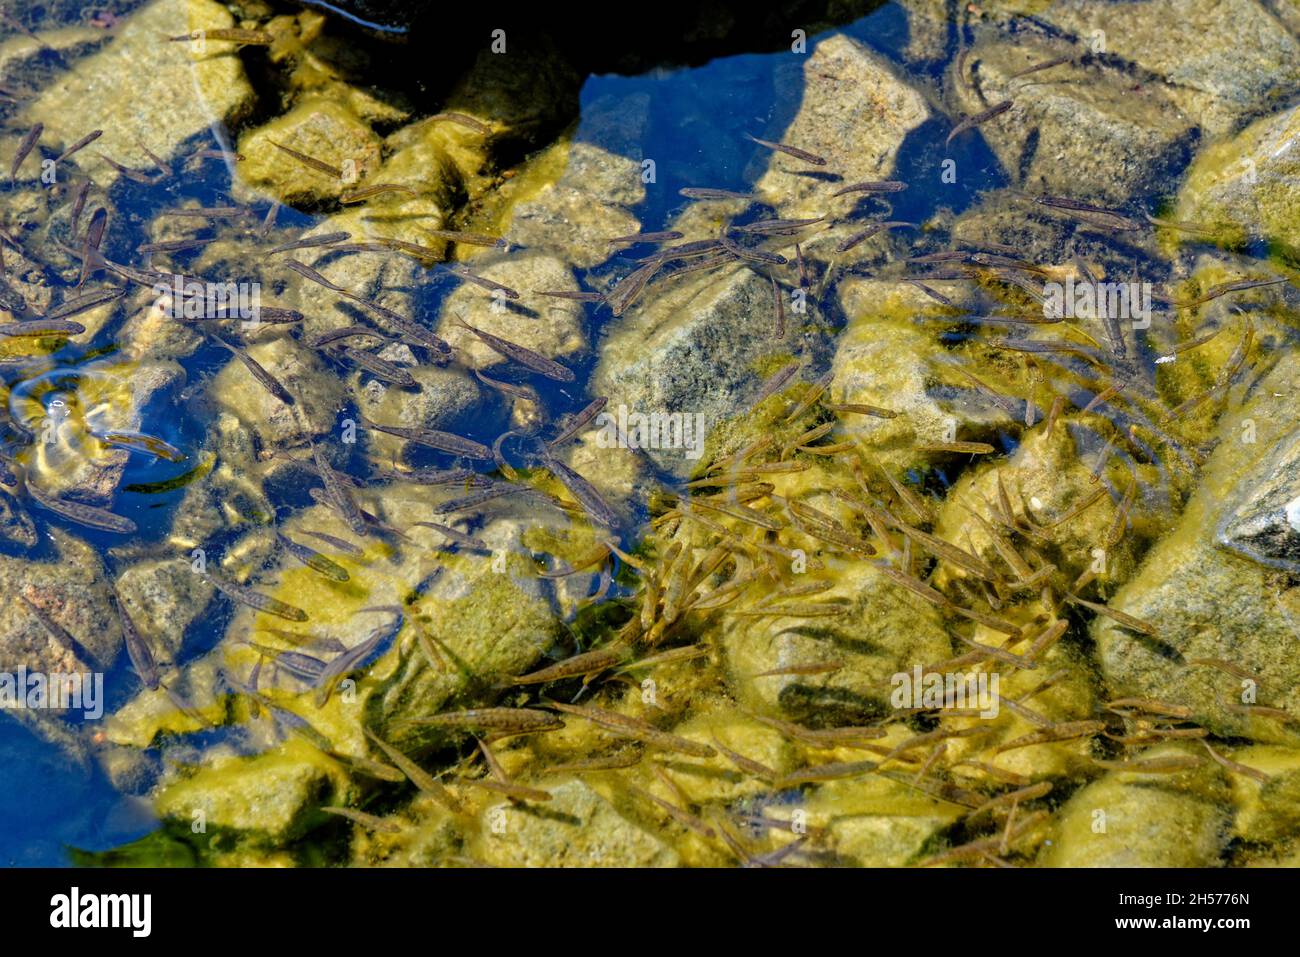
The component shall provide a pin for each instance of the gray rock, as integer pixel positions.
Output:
(1264, 521)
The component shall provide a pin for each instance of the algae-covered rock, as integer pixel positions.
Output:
(1206, 602)
(1142, 820)
(856, 112)
(1221, 61)
(1267, 811)
(1249, 186)
(185, 91)
(576, 828)
(875, 821)
(316, 393)
(1088, 132)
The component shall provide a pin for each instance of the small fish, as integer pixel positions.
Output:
(36, 328)
(231, 34)
(875, 186)
(368, 821)
(457, 536)
(26, 146)
(80, 144)
(866, 234)
(574, 296)
(692, 192)
(774, 227)
(1128, 621)
(1236, 768)
(338, 493)
(173, 245)
(626, 758)
(630, 727)
(313, 559)
(665, 236)
(579, 421)
(376, 189)
(270, 382)
(798, 154)
(347, 332)
(482, 281)
(137, 649)
(207, 212)
(751, 255)
(973, 121)
(59, 633)
(434, 439)
(90, 247)
(255, 599)
(588, 663)
(859, 408)
(1116, 220)
(1064, 731)
(135, 175)
(421, 778)
(468, 239)
(584, 492)
(1045, 65)
(970, 448)
(88, 515)
(498, 720)
(139, 442)
(350, 660)
(534, 361)
(380, 368)
(324, 239)
(780, 310)
(310, 161)
(466, 121)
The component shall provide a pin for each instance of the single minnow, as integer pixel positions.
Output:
(87, 515)
(335, 542)
(1214, 292)
(139, 442)
(1063, 731)
(511, 790)
(1233, 766)
(629, 727)
(1225, 666)
(350, 661)
(777, 381)
(324, 239)
(867, 233)
(232, 34)
(751, 255)
(313, 559)
(698, 247)
(137, 649)
(466, 121)
(973, 448)
(338, 493)
(255, 599)
(501, 720)
(226, 155)
(456, 535)
(525, 357)
(485, 494)
(347, 332)
(575, 296)
(207, 212)
(173, 245)
(874, 186)
(434, 439)
(587, 663)
(1162, 764)
(821, 668)
(1148, 706)
(482, 281)
(469, 239)
(301, 666)
(380, 368)
(80, 144)
(134, 174)
(421, 778)
(584, 492)
(26, 146)
(271, 383)
(1046, 65)
(90, 247)
(748, 765)
(797, 153)
(1119, 220)
(42, 327)
(773, 227)
(59, 633)
(1128, 621)
(815, 392)
(859, 408)
(310, 161)
(684, 818)
(803, 267)
(973, 121)
(376, 189)
(692, 192)
(632, 239)
(627, 758)
(269, 314)
(579, 421)
(368, 821)
(630, 286)
(523, 392)
(78, 204)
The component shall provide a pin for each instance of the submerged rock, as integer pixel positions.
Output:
(185, 92)
(1263, 520)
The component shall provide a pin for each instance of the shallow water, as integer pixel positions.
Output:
(694, 130)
